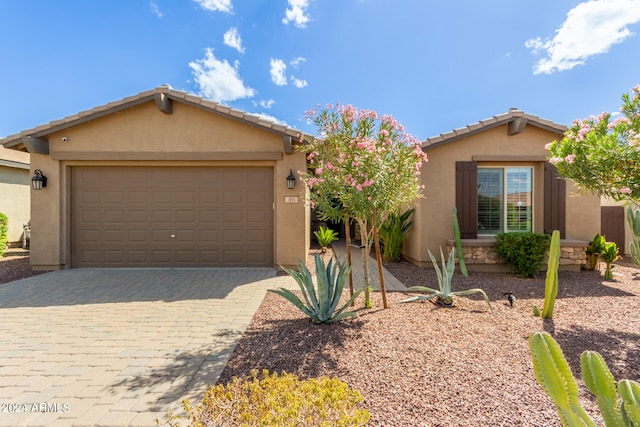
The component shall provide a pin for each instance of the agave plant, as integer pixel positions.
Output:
(444, 296)
(325, 236)
(320, 306)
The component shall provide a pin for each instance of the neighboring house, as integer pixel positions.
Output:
(15, 182)
(495, 172)
(165, 179)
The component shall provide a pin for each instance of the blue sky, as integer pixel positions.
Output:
(434, 66)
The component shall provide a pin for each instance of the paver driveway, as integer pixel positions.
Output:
(119, 347)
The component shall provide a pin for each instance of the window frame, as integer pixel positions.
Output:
(504, 214)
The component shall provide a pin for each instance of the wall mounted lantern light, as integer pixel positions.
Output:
(291, 180)
(39, 181)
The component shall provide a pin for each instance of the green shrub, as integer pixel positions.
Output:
(609, 255)
(325, 236)
(523, 252)
(392, 235)
(4, 229)
(277, 400)
(594, 249)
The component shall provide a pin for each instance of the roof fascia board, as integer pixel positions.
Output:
(12, 164)
(35, 145)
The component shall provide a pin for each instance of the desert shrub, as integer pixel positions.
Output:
(325, 237)
(523, 252)
(392, 235)
(4, 229)
(277, 400)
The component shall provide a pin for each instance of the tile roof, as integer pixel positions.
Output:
(511, 116)
(15, 141)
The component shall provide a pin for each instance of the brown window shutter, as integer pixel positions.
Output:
(555, 197)
(467, 198)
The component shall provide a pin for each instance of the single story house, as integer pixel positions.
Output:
(15, 181)
(168, 179)
(165, 179)
(495, 173)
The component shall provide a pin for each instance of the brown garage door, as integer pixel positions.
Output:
(172, 217)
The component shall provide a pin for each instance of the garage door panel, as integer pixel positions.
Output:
(125, 216)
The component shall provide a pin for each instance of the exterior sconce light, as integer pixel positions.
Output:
(39, 181)
(291, 180)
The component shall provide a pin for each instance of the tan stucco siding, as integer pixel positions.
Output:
(145, 129)
(14, 199)
(135, 137)
(493, 147)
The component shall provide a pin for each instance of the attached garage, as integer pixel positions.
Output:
(165, 179)
(172, 217)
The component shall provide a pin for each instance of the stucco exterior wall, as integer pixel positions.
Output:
(14, 199)
(144, 136)
(492, 147)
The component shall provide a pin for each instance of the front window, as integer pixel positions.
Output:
(505, 200)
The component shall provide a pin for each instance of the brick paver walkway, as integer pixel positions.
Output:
(119, 347)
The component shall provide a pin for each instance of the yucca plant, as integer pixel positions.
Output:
(444, 296)
(609, 255)
(325, 236)
(392, 235)
(320, 306)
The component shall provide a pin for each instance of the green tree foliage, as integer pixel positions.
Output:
(361, 166)
(602, 153)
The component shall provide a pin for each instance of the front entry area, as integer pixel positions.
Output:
(158, 216)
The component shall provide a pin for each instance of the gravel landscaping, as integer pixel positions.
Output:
(420, 365)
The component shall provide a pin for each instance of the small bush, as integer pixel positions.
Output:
(523, 252)
(392, 235)
(4, 229)
(277, 400)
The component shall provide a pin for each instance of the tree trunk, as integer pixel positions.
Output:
(347, 230)
(376, 240)
(364, 236)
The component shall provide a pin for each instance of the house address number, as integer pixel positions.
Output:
(291, 199)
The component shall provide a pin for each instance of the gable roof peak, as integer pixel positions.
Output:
(515, 119)
(163, 95)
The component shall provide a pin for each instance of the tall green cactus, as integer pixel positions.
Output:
(634, 223)
(456, 234)
(554, 375)
(551, 283)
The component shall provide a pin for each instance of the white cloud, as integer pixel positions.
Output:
(267, 103)
(232, 39)
(590, 29)
(297, 61)
(155, 9)
(270, 118)
(296, 13)
(299, 83)
(278, 72)
(218, 80)
(215, 5)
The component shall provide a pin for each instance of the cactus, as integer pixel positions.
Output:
(554, 375)
(456, 234)
(634, 224)
(551, 282)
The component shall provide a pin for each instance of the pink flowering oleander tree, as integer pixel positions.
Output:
(602, 154)
(361, 166)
